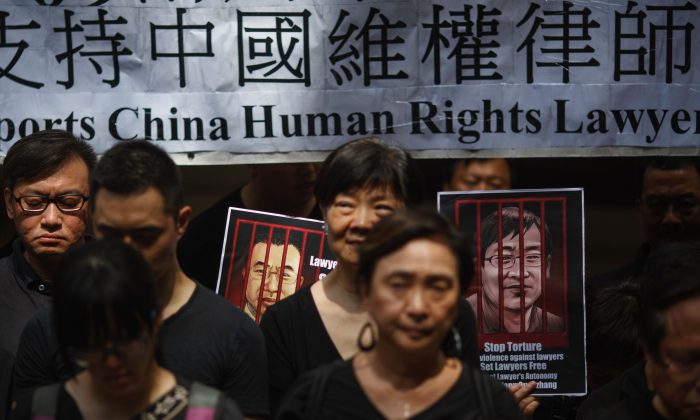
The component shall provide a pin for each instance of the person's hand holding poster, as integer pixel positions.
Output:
(527, 291)
(267, 257)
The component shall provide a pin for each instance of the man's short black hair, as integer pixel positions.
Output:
(369, 163)
(134, 166)
(671, 275)
(665, 163)
(448, 170)
(278, 237)
(510, 226)
(40, 154)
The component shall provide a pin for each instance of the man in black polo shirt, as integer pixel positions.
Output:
(138, 198)
(45, 178)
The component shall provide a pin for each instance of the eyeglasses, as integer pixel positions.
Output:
(66, 203)
(125, 351)
(508, 261)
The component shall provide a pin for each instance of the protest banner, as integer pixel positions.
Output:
(267, 257)
(265, 80)
(528, 288)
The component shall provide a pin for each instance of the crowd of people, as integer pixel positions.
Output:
(107, 312)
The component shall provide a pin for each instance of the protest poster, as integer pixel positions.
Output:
(528, 288)
(267, 257)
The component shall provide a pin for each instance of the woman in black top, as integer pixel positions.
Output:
(411, 276)
(107, 315)
(359, 183)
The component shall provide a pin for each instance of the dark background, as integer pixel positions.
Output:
(612, 232)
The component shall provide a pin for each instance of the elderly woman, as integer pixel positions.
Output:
(107, 318)
(411, 277)
(359, 183)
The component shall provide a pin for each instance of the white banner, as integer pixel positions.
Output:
(260, 78)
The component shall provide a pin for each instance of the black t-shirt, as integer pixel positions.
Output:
(207, 340)
(67, 408)
(342, 397)
(297, 341)
(22, 294)
(6, 365)
(199, 250)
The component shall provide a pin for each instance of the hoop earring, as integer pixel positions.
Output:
(457, 338)
(361, 344)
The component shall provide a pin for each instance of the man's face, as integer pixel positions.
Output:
(510, 261)
(490, 174)
(676, 376)
(273, 275)
(51, 232)
(670, 204)
(140, 220)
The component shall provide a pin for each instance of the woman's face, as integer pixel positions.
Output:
(119, 369)
(413, 295)
(352, 214)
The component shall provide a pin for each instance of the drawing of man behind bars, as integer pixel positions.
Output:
(272, 269)
(513, 269)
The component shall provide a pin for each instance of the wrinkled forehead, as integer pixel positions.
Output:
(683, 320)
(490, 167)
(671, 181)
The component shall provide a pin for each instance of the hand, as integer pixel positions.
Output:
(526, 402)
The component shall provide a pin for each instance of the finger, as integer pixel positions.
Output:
(523, 391)
(529, 410)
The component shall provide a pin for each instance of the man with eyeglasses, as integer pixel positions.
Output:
(138, 199)
(520, 290)
(665, 385)
(45, 177)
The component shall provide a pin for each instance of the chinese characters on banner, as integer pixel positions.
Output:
(275, 76)
(528, 288)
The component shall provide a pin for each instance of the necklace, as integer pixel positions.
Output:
(406, 410)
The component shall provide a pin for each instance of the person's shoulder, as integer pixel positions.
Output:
(631, 383)
(298, 301)
(41, 322)
(289, 312)
(554, 322)
(208, 304)
(311, 386)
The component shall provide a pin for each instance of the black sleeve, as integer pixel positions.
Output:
(279, 363)
(227, 410)
(6, 366)
(23, 408)
(466, 326)
(246, 378)
(38, 362)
